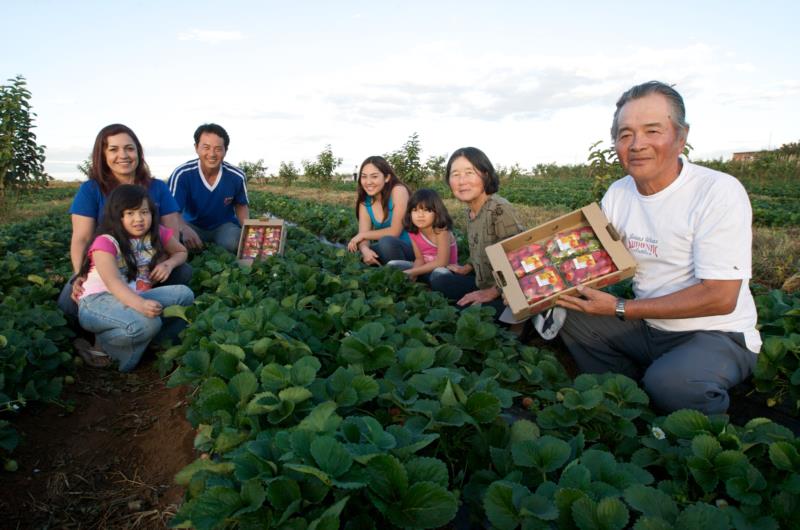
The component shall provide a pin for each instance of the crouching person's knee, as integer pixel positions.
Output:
(185, 296)
(439, 277)
(400, 264)
(670, 391)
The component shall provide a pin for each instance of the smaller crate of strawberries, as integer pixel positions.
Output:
(261, 238)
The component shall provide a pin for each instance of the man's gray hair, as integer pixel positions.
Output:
(678, 114)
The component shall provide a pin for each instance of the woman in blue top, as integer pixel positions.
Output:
(380, 208)
(117, 158)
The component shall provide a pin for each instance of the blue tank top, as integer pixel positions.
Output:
(388, 222)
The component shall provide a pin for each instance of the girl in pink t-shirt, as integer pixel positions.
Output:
(430, 228)
(130, 253)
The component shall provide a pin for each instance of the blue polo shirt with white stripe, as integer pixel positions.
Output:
(206, 206)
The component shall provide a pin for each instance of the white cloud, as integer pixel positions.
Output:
(494, 87)
(210, 36)
(745, 67)
(527, 106)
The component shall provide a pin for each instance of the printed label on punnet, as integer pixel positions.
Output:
(531, 263)
(545, 278)
(567, 242)
(582, 262)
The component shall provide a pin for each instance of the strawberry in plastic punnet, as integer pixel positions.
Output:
(573, 243)
(541, 284)
(528, 259)
(587, 266)
(272, 242)
(252, 242)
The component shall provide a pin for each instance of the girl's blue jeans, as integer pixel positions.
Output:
(181, 275)
(123, 332)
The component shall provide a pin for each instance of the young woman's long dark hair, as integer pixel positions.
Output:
(99, 170)
(127, 197)
(429, 200)
(386, 193)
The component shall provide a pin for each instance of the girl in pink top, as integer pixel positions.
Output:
(131, 254)
(430, 228)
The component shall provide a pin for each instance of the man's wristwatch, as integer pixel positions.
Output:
(620, 309)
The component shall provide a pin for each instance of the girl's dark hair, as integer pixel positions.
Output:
(429, 200)
(476, 157)
(386, 193)
(99, 170)
(127, 197)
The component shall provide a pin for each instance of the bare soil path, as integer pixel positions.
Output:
(107, 464)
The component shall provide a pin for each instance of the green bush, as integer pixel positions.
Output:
(21, 158)
(321, 171)
(287, 173)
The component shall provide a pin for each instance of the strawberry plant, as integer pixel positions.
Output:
(444, 381)
(328, 393)
(777, 372)
(34, 337)
(323, 357)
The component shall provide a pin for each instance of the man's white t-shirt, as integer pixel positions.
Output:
(698, 228)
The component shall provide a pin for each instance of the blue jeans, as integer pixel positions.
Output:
(123, 332)
(181, 275)
(225, 235)
(678, 369)
(389, 248)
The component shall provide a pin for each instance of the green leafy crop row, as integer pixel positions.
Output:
(330, 382)
(34, 337)
(777, 374)
(330, 395)
(776, 378)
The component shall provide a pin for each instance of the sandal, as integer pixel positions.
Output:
(91, 355)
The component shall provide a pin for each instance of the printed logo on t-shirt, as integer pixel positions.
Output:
(143, 253)
(228, 200)
(646, 246)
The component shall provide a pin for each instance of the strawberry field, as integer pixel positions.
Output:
(328, 395)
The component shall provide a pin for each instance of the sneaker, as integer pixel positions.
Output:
(549, 322)
(93, 356)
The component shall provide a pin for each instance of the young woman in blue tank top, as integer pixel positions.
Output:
(380, 207)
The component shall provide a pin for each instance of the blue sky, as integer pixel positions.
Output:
(528, 82)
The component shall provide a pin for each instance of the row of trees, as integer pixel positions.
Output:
(322, 171)
(408, 164)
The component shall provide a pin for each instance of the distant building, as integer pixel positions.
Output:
(746, 156)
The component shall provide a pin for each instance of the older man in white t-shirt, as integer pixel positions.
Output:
(690, 332)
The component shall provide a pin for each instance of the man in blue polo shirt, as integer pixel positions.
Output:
(210, 192)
